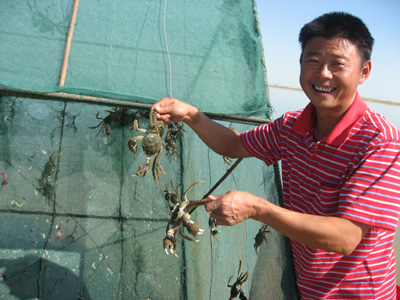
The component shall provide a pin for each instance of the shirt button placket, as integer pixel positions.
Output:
(313, 154)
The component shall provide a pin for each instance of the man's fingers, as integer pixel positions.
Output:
(166, 118)
(220, 220)
(213, 205)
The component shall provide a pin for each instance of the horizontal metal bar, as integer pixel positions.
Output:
(67, 97)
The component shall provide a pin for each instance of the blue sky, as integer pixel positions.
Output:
(281, 22)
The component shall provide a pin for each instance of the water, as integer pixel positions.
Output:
(284, 100)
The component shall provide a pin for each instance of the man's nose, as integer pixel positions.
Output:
(325, 72)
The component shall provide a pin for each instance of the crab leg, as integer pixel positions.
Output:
(186, 236)
(157, 169)
(190, 187)
(196, 203)
(144, 169)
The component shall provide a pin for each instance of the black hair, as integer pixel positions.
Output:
(343, 25)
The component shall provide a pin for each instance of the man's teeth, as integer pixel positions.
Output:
(323, 89)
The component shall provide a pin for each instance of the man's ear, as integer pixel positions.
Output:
(366, 70)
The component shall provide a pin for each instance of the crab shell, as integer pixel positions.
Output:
(133, 143)
(49, 167)
(151, 144)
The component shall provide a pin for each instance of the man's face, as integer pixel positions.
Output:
(331, 71)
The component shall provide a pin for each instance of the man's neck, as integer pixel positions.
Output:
(324, 125)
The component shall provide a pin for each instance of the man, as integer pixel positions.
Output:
(340, 168)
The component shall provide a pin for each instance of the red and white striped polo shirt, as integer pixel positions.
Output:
(352, 173)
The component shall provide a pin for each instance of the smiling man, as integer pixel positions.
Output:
(340, 168)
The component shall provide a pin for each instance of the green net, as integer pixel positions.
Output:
(119, 50)
(76, 221)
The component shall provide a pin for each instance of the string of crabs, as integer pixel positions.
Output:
(180, 216)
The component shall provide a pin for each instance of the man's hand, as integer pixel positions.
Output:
(232, 207)
(172, 110)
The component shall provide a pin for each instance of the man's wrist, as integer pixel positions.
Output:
(193, 117)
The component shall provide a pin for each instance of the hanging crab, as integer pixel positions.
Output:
(47, 190)
(170, 141)
(49, 168)
(173, 196)
(117, 115)
(151, 144)
(180, 217)
(177, 130)
(45, 187)
(260, 237)
(112, 117)
(236, 287)
(212, 223)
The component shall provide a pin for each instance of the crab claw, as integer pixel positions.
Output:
(133, 143)
(192, 227)
(169, 243)
(144, 169)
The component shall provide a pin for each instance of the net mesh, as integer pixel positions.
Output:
(119, 50)
(76, 223)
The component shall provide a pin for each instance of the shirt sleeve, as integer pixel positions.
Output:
(264, 141)
(371, 195)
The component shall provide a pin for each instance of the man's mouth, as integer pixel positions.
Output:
(322, 89)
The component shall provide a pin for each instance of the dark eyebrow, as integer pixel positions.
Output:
(341, 56)
(311, 53)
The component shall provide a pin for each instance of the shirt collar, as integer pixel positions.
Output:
(337, 136)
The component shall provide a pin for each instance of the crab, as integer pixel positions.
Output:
(170, 141)
(47, 190)
(151, 144)
(180, 217)
(260, 237)
(49, 168)
(117, 115)
(173, 197)
(212, 223)
(46, 22)
(177, 132)
(113, 116)
(45, 187)
(236, 287)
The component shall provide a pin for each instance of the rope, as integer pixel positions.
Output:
(169, 59)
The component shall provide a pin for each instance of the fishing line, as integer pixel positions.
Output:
(166, 46)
